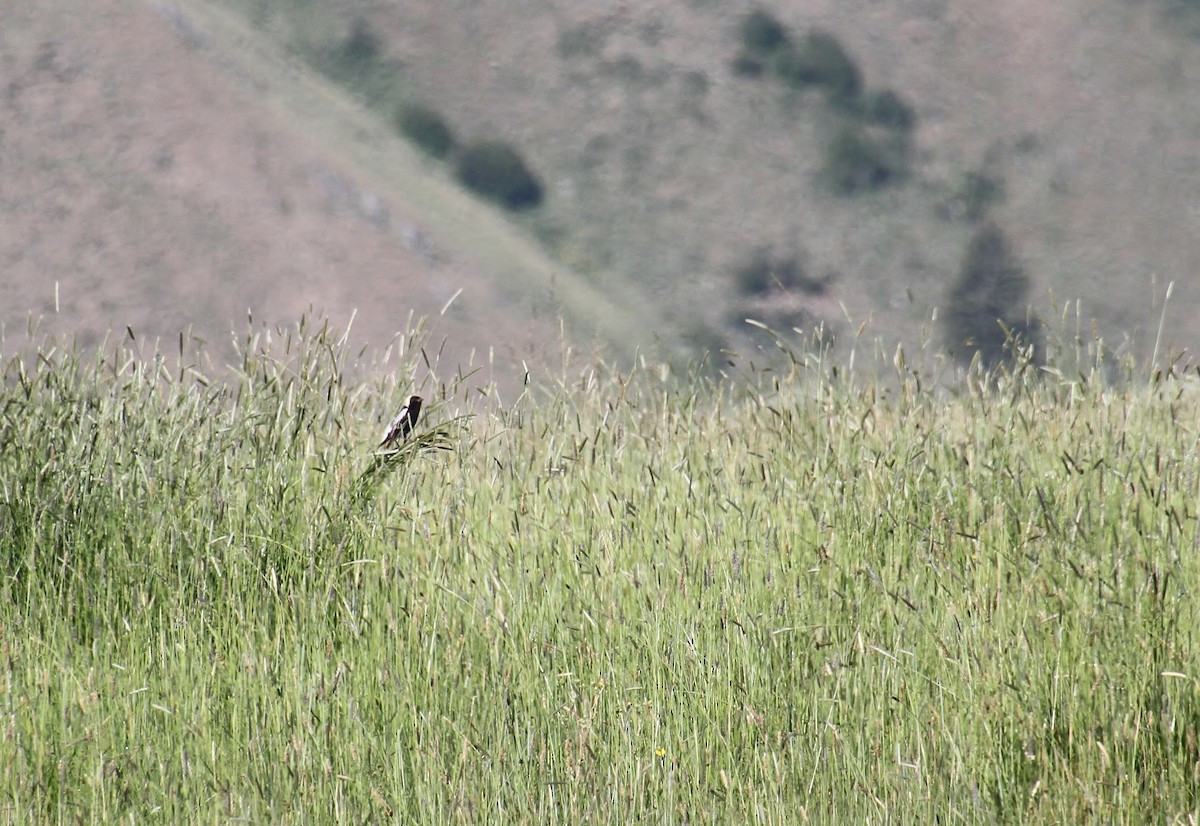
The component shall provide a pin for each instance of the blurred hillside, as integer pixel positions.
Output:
(165, 167)
(168, 164)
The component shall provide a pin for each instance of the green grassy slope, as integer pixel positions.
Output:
(786, 598)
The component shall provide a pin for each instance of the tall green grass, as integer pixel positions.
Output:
(799, 594)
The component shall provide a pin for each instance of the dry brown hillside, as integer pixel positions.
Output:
(168, 164)
(667, 169)
(161, 171)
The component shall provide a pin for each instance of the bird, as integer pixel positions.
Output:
(405, 421)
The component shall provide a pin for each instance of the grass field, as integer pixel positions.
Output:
(813, 595)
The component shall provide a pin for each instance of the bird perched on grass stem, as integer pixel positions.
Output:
(403, 424)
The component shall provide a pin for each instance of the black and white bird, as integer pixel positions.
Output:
(403, 424)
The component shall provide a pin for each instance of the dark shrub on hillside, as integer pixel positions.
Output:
(494, 170)
(986, 311)
(819, 60)
(361, 48)
(972, 198)
(762, 33)
(748, 66)
(762, 274)
(358, 61)
(855, 162)
(886, 108)
(426, 129)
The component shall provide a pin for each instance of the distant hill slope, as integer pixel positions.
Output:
(667, 169)
(165, 167)
(174, 163)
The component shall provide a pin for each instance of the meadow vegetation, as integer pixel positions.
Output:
(909, 594)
